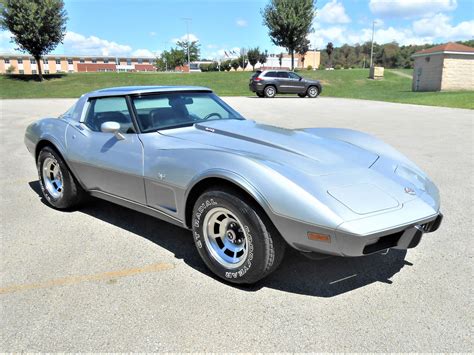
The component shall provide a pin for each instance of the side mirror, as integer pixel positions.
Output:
(112, 127)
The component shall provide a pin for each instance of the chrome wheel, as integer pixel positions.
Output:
(52, 177)
(225, 238)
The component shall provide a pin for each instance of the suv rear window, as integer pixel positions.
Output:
(257, 73)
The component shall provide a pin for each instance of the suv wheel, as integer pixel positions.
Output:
(260, 94)
(302, 95)
(270, 91)
(313, 91)
(237, 243)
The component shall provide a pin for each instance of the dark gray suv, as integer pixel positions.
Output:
(270, 82)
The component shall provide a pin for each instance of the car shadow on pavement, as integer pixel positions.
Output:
(328, 277)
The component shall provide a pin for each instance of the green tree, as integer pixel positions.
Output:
(289, 23)
(194, 49)
(243, 61)
(329, 50)
(253, 56)
(37, 26)
(263, 57)
(235, 64)
(225, 65)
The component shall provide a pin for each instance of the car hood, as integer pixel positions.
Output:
(284, 148)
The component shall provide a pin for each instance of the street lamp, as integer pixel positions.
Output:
(372, 45)
(187, 20)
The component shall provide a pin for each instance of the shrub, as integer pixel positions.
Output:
(309, 67)
(321, 67)
(338, 66)
(10, 69)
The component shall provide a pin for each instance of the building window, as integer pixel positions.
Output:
(33, 71)
(94, 61)
(7, 60)
(20, 61)
(58, 61)
(81, 60)
(45, 61)
(129, 61)
(106, 60)
(140, 60)
(22, 71)
(69, 61)
(32, 61)
(46, 71)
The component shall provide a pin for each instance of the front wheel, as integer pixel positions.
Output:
(58, 185)
(237, 243)
(313, 91)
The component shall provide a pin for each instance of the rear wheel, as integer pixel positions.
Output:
(270, 91)
(58, 185)
(237, 243)
(313, 91)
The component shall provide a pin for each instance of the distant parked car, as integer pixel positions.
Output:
(268, 83)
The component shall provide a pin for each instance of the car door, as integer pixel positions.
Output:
(110, 163)
(297, 83)
(286, 85)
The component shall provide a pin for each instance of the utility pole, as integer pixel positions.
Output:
(372, 46)
(187, 20)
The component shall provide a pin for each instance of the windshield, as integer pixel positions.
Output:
(170, 110)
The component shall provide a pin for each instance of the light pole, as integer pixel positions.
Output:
(372, 46)
(187, 20)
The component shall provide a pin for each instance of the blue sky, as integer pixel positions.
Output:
(146, 27)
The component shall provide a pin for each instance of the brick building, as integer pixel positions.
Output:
(51, 64)
(446, 67)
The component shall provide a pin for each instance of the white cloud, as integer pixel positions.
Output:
(341, 34)
(152, 34)
(143, 53)
(76, 43)
(333, 12)
(192, 38)
(241, 22)
(439, 26)
(410, 8)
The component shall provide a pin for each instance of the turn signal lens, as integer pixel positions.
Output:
(319, 237)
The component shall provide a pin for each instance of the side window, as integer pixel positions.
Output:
(283, 75)
(293, 76)
(271, 74)
(107, 109)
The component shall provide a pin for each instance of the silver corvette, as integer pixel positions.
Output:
(246, 190)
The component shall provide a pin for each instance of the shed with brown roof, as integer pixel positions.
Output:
(448, 66)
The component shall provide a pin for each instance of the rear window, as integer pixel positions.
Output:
(257, 73)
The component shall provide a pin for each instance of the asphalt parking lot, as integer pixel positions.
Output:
(106, 278)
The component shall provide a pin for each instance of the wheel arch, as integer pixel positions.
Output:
(249, 193)
(45, 142)
(271, 84)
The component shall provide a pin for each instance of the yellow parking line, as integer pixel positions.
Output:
(70, 280)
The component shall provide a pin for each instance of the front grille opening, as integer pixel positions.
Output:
(385, 242)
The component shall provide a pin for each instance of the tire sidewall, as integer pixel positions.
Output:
(268, 88)
(63, 200)
(254, 265)
(317, 92)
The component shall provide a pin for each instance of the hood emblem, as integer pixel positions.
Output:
(410, 191)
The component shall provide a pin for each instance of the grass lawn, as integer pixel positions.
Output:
(336, 83)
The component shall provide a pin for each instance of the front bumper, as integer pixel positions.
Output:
(342, 243)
